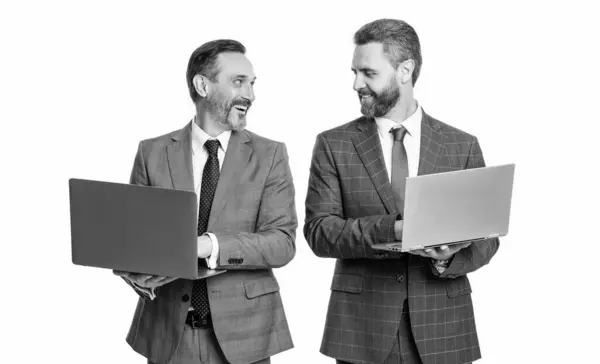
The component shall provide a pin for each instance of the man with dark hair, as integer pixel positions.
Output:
(390, 307)
(246, 225)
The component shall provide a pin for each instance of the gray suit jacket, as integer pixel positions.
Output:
(349, 207)
(254, 219)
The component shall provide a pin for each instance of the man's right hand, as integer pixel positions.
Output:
(145, 280)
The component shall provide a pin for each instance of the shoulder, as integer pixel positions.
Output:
(345, 131)
(155, 144)
(264, 146)
(260, 142)
(452, 133)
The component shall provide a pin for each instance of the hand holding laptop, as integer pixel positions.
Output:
(144, 284)
(145, 280)
(443, 252)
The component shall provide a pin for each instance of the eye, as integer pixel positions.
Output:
(237, 82)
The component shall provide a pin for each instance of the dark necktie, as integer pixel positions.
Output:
(210, 178)
(399, 168)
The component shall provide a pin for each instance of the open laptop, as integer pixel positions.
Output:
(134, 228)
(454, 207)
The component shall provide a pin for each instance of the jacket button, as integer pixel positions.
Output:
(185, 298)
(400, 278)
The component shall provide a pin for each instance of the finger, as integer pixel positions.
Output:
(431, 253)
(140, 278)
(444, 248)
(427, 253)
(153, 280)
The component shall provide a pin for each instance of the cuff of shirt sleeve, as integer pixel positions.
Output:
(146, 293)
(149, 292)
(212, 261)
(440, 265)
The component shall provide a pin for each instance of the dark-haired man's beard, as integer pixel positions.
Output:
(379, 105)
(229, 114)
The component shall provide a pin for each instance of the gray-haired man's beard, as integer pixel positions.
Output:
(379, 105)
(225, 116)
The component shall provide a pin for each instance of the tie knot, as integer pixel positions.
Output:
(398, 133)
(212, 146)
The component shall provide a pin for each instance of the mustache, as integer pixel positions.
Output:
(241, 102)
(366, 92)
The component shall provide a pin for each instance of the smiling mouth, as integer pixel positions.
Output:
(241, 108)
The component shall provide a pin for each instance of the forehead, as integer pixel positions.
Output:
(234, 64)
(370, 56)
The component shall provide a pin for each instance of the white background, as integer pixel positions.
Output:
(81, 84)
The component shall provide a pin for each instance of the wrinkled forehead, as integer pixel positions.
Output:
(234, 64)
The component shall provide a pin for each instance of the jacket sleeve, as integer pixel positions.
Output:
(328, 232)
(272, 245)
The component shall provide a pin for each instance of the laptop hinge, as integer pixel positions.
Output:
(494, 235)
(417, 247)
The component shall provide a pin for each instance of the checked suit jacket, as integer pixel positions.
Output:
(254, 219)
(349, 207)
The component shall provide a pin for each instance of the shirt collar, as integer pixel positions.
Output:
(412, 123)
(199, 137)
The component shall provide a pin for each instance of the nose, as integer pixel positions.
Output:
(359, 83)
(249, 92)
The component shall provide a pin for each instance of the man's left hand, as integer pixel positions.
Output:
(204, 246)
(443, 252)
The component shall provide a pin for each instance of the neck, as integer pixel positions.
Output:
(405, 107)
(207, 122)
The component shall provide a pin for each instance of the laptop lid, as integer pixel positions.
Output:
(134, 228)
(451, 207)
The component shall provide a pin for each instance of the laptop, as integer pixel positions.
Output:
(455, 207)
(135, 228)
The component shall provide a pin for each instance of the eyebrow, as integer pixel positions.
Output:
(363, 70)
(242, 76)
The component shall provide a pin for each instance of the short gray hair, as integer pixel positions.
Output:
(204, 61)
(399, 39)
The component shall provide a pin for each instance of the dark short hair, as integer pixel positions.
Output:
(400, 41)
(204, 61)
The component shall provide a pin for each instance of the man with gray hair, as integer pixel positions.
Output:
(390, 307)
(246, 225)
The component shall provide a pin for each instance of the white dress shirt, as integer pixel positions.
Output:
(412, 141)
(199, 158)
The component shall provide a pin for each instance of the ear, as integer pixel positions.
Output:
(405, 71)
(201, 85)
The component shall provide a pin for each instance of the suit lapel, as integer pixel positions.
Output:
(368, 146)
(433, 145)
(236, 159)
(179, 157)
